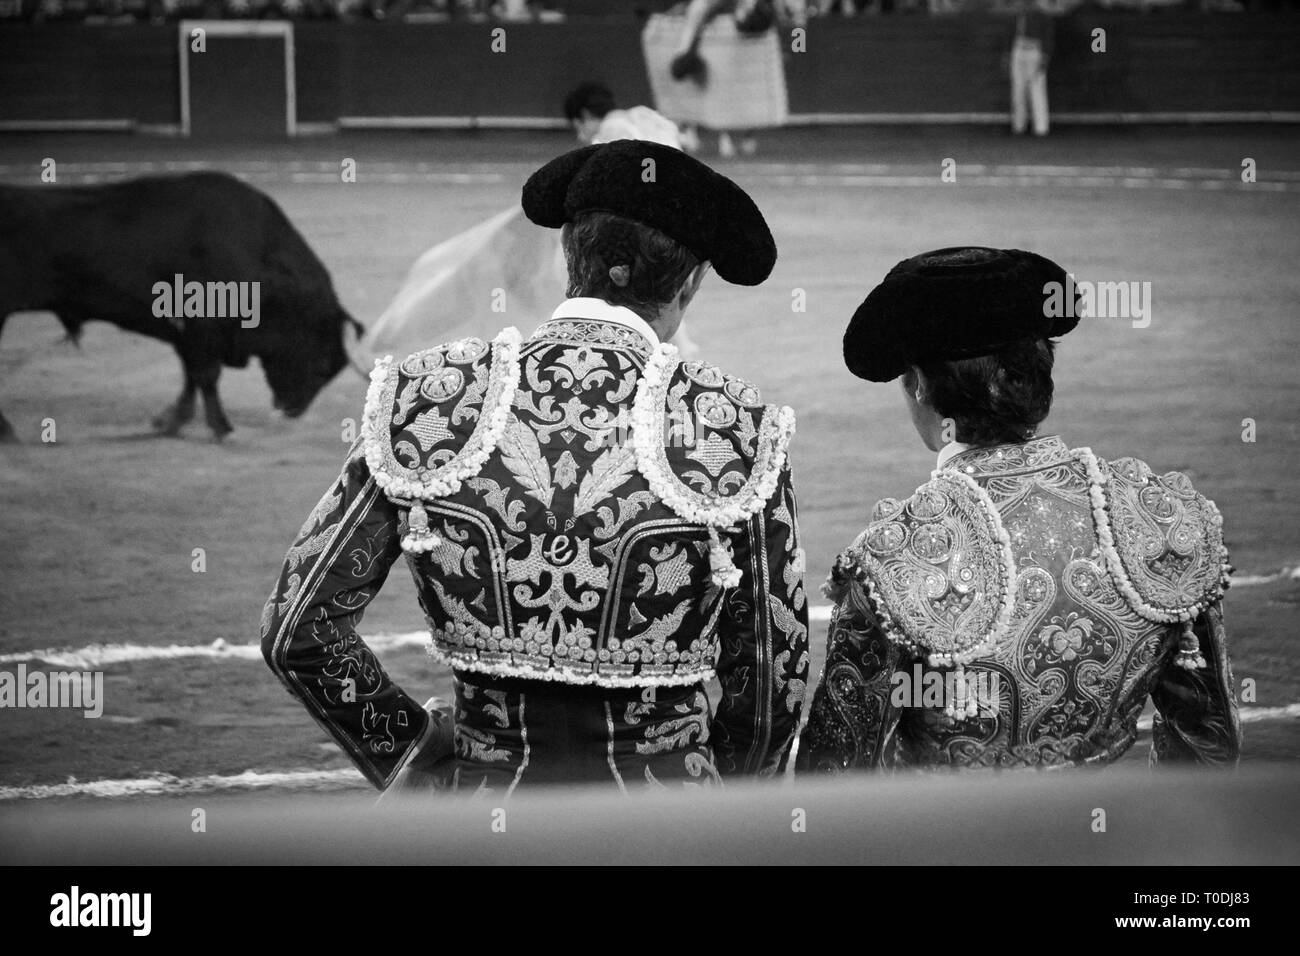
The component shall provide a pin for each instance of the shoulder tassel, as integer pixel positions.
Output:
(1189, 649)
(725, 572)
(420, 538)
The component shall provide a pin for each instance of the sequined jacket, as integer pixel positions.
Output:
(580, 508)
(1018, 610)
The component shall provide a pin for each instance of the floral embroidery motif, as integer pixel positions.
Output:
(675, 733)
(715, 410)
(609, 472)
(795, 688)
(702, 373)
(375, 735)
(477, 745)
(442, 384)
(669, 574)
(1068, 639)
(580, 363)
(430, 429)
(714, 453)
(452, 557)
(522, 454)
(541, 562)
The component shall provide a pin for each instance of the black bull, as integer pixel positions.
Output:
(114, 252)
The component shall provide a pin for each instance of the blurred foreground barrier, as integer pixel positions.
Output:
(1149, 818)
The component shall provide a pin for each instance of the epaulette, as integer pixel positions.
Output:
(938, 569)
(433, 419)
(1162, 541)
(708, 446)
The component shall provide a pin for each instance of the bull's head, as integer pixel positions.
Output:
(299, 369)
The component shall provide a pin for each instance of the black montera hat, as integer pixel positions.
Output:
(678, 195)
(956, 303)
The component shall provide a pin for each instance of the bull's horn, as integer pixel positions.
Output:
(351, 350)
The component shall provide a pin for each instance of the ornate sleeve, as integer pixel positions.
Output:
(1197, 719)
(852, 719)
(763, 655)
(336, 566)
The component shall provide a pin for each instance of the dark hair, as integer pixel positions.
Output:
(596, 242)
(595, 98)
(994, 399)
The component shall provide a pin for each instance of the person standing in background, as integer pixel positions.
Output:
(447, 292)
(595, 118)
(717, 64)
(1031, 51)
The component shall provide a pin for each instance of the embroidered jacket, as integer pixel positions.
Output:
(1018, 610)
(581, 508)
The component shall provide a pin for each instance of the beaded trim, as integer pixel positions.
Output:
(1006, 564)
(405, 484)
(563, 674)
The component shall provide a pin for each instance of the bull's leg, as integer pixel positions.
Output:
(205, 377)
(177, 414)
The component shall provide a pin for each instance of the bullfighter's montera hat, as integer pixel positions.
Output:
(663, 188)
(955, 303)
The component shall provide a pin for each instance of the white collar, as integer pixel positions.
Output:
(602, 311)
(950, 451)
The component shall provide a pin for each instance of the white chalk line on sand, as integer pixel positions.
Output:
(1254, 580)
(164, 784)
(95, 656)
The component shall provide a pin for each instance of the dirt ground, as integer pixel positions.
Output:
(97, 529)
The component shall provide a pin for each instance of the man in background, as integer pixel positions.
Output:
(739, 87)
(1032, 43)
(595, 118)
(450, 290)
